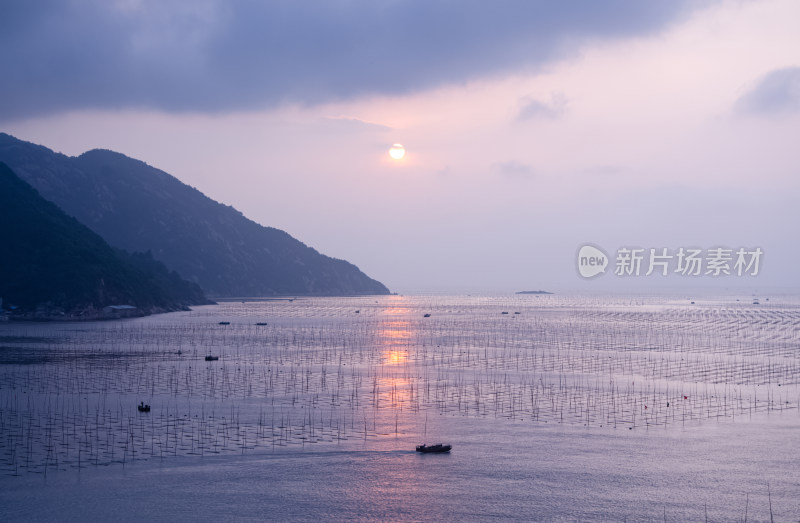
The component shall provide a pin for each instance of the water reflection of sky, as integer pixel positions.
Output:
(396, 332)
(396, 390)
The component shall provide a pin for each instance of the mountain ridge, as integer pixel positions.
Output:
(137, 207)
(52, 265)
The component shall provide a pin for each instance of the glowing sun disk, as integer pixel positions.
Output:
(397, 151)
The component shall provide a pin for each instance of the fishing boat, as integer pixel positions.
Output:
(212, 358)
(142, 407)
(434, 448)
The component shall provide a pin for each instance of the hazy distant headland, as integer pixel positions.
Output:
(533, 292)
(139, 208)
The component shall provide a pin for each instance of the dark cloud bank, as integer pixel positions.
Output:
(230, 55)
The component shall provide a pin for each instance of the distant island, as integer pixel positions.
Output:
(533, 292)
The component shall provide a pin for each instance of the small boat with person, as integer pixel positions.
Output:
(141, 407)
(434, 448)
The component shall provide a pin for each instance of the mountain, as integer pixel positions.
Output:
(51, 262)
(137, 207)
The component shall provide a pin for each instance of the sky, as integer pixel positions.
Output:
(531, 128)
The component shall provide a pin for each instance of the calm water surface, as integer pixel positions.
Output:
(557, 413)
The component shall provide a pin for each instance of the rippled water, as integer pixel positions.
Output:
(575, 408)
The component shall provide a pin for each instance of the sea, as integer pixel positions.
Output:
(558, 408)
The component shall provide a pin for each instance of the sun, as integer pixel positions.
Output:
(397, 152)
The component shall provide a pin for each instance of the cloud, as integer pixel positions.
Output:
(776, 92)
(219, 55)
(602, 170)
(514, 169)
(344, 122)
(535, 109)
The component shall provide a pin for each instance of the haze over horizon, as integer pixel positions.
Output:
(530, 129)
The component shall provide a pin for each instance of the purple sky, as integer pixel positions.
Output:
(530, 127)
